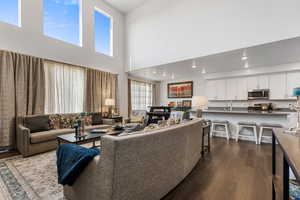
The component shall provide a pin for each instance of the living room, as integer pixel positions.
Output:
(148, 99)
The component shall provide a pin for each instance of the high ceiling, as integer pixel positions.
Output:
(266, 55)
(125, 6)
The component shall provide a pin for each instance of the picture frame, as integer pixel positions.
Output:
(187, 103)
(180, 90)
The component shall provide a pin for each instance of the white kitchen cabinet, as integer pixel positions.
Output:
(277, 83)
(242, 90)
(232, 89)
(211, 89)
(216, 89)
(252, 82)
(292, 81)
(221, 89)
(263, 82)
(257, 82)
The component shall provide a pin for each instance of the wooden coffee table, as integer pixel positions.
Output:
(87, 138)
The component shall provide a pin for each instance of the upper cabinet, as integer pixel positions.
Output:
(281, 86)
(263, 82)
(231, 89)
(236, 89)
(292, 81)
(242, 93)
(277, 83)
(216, 89)
(257, 82)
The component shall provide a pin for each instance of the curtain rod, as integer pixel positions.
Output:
(49, 60)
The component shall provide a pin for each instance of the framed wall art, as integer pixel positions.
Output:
(180, 90)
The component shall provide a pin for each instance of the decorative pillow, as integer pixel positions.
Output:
(96, 118)
(37, 123)
(54, 121)
(88, 120)
(66, 122)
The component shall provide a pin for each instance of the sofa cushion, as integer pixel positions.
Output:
(37, 123)
(45, 136)
(96, 118)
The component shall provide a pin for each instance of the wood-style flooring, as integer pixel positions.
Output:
(232, 171)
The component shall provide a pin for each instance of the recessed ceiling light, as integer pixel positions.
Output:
(203, 71)
(244, 58)
(194, 64)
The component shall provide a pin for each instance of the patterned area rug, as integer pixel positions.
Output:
(30, 178)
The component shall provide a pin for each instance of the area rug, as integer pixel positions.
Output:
(29, 178)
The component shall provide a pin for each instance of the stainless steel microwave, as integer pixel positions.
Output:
(258, 94)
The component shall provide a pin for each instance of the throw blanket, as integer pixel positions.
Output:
(71, 161)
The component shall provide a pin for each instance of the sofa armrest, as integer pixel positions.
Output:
(23, 139)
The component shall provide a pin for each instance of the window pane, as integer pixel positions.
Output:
(103, 33)
(141, 95)
(62, 20)
(9, 11)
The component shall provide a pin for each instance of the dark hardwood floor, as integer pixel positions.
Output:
(232, 171)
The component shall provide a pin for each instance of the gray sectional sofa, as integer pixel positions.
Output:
(141, 166)
(38, 133)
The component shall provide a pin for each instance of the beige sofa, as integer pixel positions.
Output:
(141, 166)
(36, 134)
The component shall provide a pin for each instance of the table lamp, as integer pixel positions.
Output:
(110, 103)
(199, 103)
(296, 93)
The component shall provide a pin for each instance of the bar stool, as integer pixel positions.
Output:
(216, 123)
(251, 125)
(267, 126)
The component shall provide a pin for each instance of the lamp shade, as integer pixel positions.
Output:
(109, 102)
(199, 101)
(296, 92)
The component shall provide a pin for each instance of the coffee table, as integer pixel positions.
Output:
(87, 138)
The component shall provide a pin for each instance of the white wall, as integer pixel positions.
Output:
(29, 39)
(166, 31)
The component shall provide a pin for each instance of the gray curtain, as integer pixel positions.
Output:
(22, 92)
(99, 86)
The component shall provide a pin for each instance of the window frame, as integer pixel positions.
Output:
(111, 42)
(80, 43)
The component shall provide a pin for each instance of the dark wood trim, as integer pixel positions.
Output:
(186, 82)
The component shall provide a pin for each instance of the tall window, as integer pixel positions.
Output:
(62, 20)
(10, 12)
(141, 95)
(103, 33)
(64, 88)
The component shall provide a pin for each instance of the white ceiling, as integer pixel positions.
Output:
(125, 6)
(266, 55)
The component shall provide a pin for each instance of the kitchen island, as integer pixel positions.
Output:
(281, 116)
